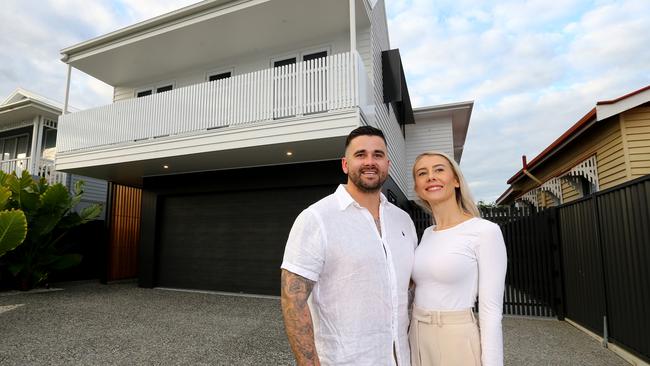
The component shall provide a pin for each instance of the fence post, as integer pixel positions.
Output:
(558, 270)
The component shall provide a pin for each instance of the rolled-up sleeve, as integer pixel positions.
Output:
(304, 253)
(492, 264)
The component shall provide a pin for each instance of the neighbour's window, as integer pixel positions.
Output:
(223, 75)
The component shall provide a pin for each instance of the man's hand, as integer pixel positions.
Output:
(297, 318)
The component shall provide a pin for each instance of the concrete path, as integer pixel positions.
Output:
(121, 324)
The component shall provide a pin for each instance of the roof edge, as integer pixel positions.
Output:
(147, 25)
(550, 150)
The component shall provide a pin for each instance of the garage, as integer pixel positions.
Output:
(229, 241)
(226, 230)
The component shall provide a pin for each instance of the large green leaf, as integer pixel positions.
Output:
(13, 230)
(5, 194)
(23, 192)
(55, 198)
(91, 212)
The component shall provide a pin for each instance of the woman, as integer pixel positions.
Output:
(458, 258)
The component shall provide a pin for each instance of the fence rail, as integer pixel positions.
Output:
(325, 84)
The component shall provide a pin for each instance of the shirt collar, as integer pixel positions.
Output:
(345, 200)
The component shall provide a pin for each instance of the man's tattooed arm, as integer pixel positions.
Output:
(297, 318)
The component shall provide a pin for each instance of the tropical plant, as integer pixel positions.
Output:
(49, 216)
(13, 224)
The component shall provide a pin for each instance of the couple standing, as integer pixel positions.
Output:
(351, 259)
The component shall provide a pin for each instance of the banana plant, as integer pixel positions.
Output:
(48, 210)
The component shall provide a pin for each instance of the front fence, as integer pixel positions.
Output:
(533, 252)
(586, 260)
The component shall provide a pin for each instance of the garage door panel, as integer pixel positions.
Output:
(230, 241)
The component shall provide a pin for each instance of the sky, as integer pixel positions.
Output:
(532, 67)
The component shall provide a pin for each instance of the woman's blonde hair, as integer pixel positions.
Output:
(463, 195)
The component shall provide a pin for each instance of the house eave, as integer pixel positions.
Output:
(460, 113)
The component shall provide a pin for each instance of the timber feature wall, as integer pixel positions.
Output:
(124, 232)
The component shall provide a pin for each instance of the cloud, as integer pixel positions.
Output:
(533, 67)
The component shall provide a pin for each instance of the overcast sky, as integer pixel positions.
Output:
(533, 68)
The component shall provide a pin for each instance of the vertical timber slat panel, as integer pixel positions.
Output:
(124, 233)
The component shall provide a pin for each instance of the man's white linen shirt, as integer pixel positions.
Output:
(360, 296)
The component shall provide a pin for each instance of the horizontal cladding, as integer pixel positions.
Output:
(637, 131)
(385, 116)
(94, 189)
(569, 193)
(122, 93)
(427, 136)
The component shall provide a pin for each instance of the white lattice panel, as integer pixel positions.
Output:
(587, 169)
(531, 197)
(553, 186)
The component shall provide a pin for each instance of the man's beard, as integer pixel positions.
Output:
(367, 187)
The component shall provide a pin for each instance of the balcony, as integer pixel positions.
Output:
(43, 168)
(268, 106)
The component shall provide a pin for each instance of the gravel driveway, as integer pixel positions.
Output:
(121, 324)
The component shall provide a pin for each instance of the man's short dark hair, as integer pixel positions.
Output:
(364, 131)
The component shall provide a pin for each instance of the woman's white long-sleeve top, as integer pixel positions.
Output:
(453, 266)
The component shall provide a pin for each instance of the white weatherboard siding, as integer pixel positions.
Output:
(95, 191)
(427, 135)
(385, 117)
(260, 60)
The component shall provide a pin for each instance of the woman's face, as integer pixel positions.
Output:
(435, 181)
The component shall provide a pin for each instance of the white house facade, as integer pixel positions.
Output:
(231, 117)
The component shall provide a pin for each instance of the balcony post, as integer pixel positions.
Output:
(67, 90)
(33, 165)
(353, 27)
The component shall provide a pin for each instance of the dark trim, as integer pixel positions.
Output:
(395, 88)
(107, 227)
(147, 250)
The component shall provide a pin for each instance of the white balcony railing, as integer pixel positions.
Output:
(44, 168)
(321, 85)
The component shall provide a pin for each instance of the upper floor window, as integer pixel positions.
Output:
(149, 91)
(220, 76)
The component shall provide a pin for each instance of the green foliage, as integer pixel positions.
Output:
(48, 215)
(13, 229)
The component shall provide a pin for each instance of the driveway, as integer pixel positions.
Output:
(121, 324)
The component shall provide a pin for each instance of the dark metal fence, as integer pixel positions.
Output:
(533, 261)
(587, 260)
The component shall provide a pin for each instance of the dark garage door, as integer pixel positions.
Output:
(229, 241)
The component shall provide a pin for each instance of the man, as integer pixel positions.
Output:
(352, 252)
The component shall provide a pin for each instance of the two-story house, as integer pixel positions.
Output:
(229, 118)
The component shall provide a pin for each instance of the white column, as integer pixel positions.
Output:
(34, 147)
(353, 27)
(67, 90)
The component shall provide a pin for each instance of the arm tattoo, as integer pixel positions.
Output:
(297, 318)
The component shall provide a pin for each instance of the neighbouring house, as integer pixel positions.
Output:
(610, 145)
(229, 118)
(28, 142)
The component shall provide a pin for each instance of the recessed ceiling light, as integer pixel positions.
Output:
(166, 166)
(289, 153)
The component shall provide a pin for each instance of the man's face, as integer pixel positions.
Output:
(366, 163)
